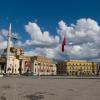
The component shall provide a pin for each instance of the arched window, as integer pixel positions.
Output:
(35, 69)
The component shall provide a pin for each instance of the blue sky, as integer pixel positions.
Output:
(47, 12)
(46, 15)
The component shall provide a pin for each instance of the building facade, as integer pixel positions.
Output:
(98, 69)
(2, 65)
(13, 67)
(76, 67)
(24, 64)
(43, 66)
(20, 64)
(13, 63)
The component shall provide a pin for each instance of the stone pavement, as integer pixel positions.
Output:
(49, 88)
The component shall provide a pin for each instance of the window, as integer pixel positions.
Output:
(47, 70)
(35, 64)
(39, 64)
(53, 71)
(51, 66)
(9, 69)
(87, 68)
(72, 68)
(35, 69)
(43, 64)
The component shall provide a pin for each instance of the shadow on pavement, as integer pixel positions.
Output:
(35, 96)
(3, 98)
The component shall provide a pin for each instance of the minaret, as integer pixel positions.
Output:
(8, 49)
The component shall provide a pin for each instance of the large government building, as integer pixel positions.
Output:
(40, 65)
(19, 63)
(77, 67)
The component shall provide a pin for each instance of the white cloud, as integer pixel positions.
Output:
(39, 38)
(83, 38)
(3, 44)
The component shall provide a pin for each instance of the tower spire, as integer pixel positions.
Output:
(10, 28)
(8, 47)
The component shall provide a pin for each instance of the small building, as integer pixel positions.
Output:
(76, 67)
(24, 64)
(13, 61)
(13, 67)
(43, 66)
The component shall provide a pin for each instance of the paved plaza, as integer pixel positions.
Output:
(30, 88)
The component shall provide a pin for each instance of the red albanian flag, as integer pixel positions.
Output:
(63, 44)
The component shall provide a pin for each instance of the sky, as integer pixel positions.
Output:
(41, 25)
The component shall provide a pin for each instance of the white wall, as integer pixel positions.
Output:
(13, 65)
